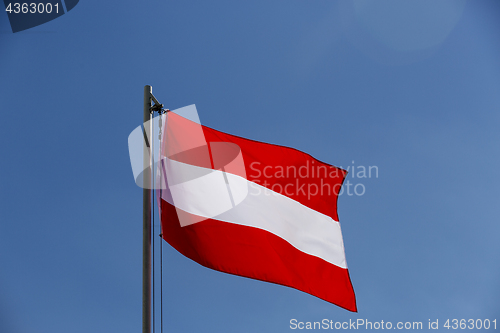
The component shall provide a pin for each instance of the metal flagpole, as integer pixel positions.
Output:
(146, 219)
(146, 204)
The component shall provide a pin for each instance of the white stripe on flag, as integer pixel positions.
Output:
(204, 192)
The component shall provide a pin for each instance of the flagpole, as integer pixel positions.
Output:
(146, 218)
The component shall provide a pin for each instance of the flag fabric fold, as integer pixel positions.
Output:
(252, 209)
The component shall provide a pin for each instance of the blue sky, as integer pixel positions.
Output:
(411, 87)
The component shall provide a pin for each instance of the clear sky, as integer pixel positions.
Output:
(410, 87)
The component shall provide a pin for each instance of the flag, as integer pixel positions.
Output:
(252, 209)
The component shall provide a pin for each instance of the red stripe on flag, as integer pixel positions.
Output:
(303, 174)
(284, 170)
(257, 254)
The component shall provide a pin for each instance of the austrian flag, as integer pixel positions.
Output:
(252, 209)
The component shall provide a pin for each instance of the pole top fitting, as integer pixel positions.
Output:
(156, 108)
